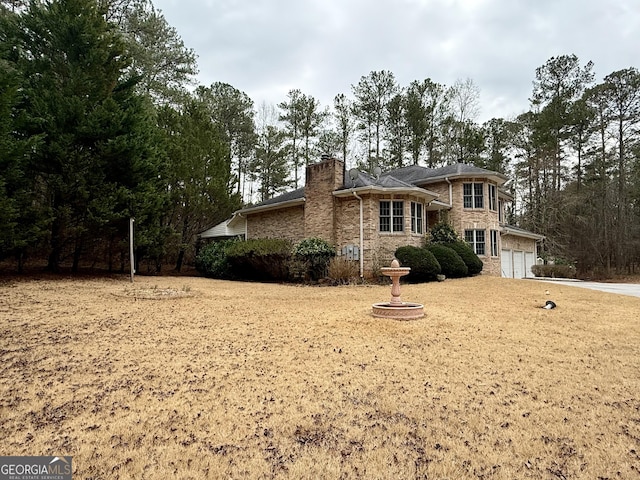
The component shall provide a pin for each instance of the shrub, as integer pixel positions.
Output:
(423, 264)
(342, 271)
(212, 260)
(452, 265)
(260, 258)
(554, 271)
(316, 253)
(443, 233)
(469, 257)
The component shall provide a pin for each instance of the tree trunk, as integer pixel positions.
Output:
(77, 251)
(53, 263)
(180, 260)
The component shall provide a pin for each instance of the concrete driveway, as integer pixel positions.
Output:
(632, 289)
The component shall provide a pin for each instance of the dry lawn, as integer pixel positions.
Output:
(191, 378)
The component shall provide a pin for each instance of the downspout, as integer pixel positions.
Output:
(361, 236)
(450, 192)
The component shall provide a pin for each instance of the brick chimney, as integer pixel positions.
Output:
(322, 179)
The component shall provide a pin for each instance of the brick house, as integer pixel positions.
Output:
(367, 218)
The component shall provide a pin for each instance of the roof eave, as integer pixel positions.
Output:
(421, 192)
(506, 230)
(496, 177)
(273, 206)
(436, 205)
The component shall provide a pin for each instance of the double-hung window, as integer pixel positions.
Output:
(416, 218)
(476, 239)
(391, 216)
(493, 197)
(473, 195)
(494, 243)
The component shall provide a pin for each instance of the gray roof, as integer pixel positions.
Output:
(285, 197)
(365, 180)
(405, 177)
(412, 174)
(416, 174)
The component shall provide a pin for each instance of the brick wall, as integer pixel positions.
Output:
(379, 248)
(321, 180)
(285, 223)
(512, 242)
(476, 219)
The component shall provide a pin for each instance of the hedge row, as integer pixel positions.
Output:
(265, 259)
(554, 271)
(454, 260)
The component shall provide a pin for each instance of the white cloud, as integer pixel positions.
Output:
(268, 47)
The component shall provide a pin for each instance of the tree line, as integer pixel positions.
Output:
(101, 120)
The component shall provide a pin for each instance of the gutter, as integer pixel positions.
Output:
(272, 206)
(507, 230)
(361, 236)
(369, 189)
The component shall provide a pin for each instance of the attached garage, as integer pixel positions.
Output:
(519, 252)
(529, 261)
(506, 263)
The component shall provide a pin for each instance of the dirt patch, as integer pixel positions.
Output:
(155, 293)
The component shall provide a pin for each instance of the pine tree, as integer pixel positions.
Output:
(96, 160)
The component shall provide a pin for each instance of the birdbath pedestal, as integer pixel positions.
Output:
(396, 308)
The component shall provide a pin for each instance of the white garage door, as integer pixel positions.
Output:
(529, 261)
(518, 264)
(506, 264)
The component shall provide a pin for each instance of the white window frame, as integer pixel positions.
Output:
(493, 197)
(395, 220)
(473, 199)
(417, 218)
(477, 238)
(493, 236)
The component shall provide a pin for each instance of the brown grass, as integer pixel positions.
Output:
(239, 380)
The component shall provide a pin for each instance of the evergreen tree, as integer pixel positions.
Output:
(270, 164)
(372, 94)
(559, 82)
(398, 131)
(21, 224)
(164, 65)
(199, 174)
(232, 111)
(311, 121)
(292, 116)
(96, 158)
(343, 116)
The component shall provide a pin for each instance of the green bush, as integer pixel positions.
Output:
(554, 271)
(316, 254)
(452, 265)
(443, 233)
(212, 260)
(469, 257)
(260, 259)
(423, 264)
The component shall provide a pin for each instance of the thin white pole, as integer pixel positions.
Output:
(131, 220)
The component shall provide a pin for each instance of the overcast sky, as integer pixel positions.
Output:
(267, 47)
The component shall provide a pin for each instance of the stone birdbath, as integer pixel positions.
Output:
(396, 308)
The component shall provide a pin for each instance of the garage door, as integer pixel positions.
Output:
(529, 261)
(518, 264)
(506, 264)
